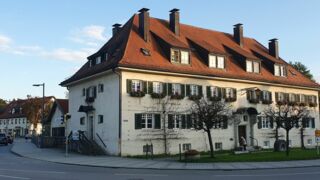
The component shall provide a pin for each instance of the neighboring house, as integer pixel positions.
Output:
(13, 121)
(54, 124)
(114, 96)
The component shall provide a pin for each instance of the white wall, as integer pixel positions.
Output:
(106, 104)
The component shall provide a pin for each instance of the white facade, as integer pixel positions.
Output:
(127, 140)
(14, 126)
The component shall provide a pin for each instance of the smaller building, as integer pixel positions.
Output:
(54, 123)
(13, 121)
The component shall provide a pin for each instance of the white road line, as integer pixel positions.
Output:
(159, 175)
(32, 171)
(13, 177)
(265, 175)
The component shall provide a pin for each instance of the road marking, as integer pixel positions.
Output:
(159, 175)
(32, 171)
(265, 175)
(13, 177)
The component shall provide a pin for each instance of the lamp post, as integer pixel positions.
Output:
(42, 112)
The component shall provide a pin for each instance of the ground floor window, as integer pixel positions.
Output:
(82, 121)
(266, 144)
(309, 142)
(186, 147)
(218, 146)
(147, 121)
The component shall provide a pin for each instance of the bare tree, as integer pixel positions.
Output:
(287, 117)
(210, 115)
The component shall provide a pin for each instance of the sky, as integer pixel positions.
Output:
(44, 41)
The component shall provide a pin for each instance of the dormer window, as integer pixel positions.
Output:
(253, 66)
(216, 61)
(280, 70)
(180, 56)
(98, 60)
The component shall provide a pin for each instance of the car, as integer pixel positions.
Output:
(10, 139)
(3, 139)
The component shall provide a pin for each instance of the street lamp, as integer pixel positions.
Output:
(42, 113)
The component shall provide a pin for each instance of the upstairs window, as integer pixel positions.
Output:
(215, 91)
(253, 66)
(280, 70)
(100, 88)
(230, 93)
(194, 90)
(157, 87)
(100, 119)
(216, 61)
(176, 89)
(84, 92)
(136, 86)
(180, 56)
(266, 97)
(98, 60)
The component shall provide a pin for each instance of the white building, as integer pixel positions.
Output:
(117, 96)
(54, 123)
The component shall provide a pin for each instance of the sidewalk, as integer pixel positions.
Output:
(29, 150)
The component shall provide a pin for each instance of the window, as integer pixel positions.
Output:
(176, 89)
(186, 147)
(216, 61)
(266, 96)
(218, 146)
(308, 123)
(100, 119)
(100, 88)
(174, 121)
(309, 142)
(147, 121)
(266, 144)
(82, 120)
(15, 121)
(180, 56)
(175, 55)
(253, 66)
(280, 70)
(230, 93)
(292, 97)
(185, 57)
(136, 86)
(194, 90)
(84, 92)
(98, 60)
(265, 122)
(11, 121)
(214, 91)
(157, 87)
(290, 143)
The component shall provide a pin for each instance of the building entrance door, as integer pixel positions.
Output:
(90, 127)
(242, 131)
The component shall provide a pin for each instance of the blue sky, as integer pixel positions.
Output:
(47, 41)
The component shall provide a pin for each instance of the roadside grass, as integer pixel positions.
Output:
(259, 156)
(229, 156)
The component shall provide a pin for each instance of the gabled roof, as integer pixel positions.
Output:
(129, 43)
(62, 105)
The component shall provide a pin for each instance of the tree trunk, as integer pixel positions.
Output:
(301, 138)
(287, 142)
(165, 135)
(210, 143)
(277, 134)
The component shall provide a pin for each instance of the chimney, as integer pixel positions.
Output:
(144, 23)
(238, 34)
(274, 48)
(116, 28)
(175, 21)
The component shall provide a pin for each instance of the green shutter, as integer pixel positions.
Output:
(220, 92)
(270, 96)
(188, 90)
(248, 94)
(189, 121)
(225, 122)
(259, 122)
(182, 90)
(200, 90)
(271, 122)
(223, 92)
(313, 123)
(94, 91)
(277, 96)
(170, 121)
(235, 94)
(137, 119)
(286, 97)
(150, 87)
(164, 88)
(169, 89)
(145, 86)
(129, 83)
(157, 121)
(208, 92)
(183, 121)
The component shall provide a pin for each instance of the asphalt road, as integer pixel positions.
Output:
(13, 167)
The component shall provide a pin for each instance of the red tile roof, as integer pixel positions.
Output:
(127, 43)
(63, 103)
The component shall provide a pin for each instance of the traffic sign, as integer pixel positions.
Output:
(317, 133)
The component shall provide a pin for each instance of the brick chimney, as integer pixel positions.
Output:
(274, 48)
(238, 34)
(144, 23)
(175, 21)
(116, 28)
